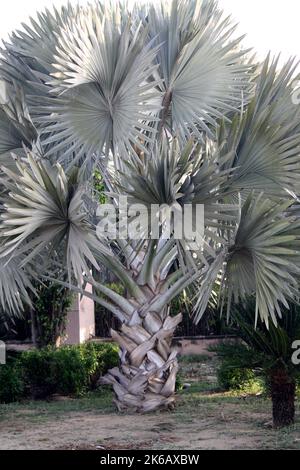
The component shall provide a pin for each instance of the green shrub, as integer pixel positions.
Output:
(234, 378)
(38, 370)
(107, 355)
(11, 382)
(69, 370)
(239, 367)
(78, 368)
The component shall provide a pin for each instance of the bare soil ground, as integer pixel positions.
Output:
(203, 419)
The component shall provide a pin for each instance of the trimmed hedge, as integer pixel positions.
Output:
(69, 370)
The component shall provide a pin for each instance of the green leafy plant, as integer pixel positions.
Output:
(50, 309)
(107, 357)
(37, 368)
(78, 368)
(100, 187)
(232, 377)
(69, 370)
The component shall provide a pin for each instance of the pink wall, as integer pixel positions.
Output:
(80, 320)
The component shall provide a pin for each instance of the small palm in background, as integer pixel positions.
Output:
(269, 350)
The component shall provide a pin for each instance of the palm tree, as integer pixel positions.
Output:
(162, 101)
(270, 351)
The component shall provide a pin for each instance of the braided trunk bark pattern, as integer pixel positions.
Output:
(145, 380)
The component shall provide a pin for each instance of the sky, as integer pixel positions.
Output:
(270, 25)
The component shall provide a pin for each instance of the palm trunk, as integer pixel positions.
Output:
(145, 380)
(283, 390)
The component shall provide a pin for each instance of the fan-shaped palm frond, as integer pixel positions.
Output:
(263, 259)
(15, 285)
(264, 140)
(274, 88)
(202, 69)
(27, 59)
(180, 179)
(107, 94)
(32, 48)
(45, 207)
(16, 128)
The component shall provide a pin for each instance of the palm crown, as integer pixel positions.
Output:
(165, 103)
